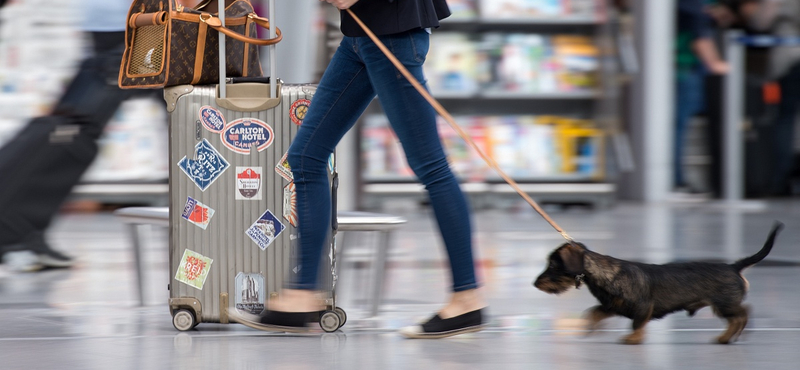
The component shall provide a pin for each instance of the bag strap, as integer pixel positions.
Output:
(215, 23)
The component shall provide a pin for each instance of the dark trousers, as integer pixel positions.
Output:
(783, 131)
(39, 166)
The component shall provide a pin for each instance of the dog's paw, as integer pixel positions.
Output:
(634, 338)
(727, 339)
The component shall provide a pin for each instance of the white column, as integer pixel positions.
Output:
(652, 103)
(296, 55)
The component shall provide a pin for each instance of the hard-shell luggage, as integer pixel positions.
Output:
(233, 223)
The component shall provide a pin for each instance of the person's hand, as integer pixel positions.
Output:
(719, 68)
(341, 4)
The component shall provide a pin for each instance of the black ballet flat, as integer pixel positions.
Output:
(438, 327)
(290, 322)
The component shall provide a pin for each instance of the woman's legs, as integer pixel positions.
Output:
(342, 95)
(414, 121)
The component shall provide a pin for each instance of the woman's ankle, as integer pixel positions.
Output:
(462, 302)
(296, 300)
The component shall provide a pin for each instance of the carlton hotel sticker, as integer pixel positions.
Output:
(245, 133)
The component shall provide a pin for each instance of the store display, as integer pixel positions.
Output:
(462, 9)
(540, 8)
(525, 147)
(511, 63)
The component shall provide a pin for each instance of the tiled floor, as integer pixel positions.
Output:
(87, 317)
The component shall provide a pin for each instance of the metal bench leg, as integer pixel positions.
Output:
(137, 258)
(379, 272)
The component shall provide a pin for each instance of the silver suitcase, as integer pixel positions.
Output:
(232, 213)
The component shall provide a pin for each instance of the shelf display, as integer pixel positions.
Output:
(540, 8)
(511, 63)
(526, 79)
(527, 148)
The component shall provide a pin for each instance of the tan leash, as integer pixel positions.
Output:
(443, 112)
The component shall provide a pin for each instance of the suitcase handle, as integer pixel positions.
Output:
(334, 192)
(249, 97)
(273, 97)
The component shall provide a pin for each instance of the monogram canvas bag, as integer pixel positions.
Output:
(168, 44)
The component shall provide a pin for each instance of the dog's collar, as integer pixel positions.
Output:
(579, 280)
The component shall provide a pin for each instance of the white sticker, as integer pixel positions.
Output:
(248, 183)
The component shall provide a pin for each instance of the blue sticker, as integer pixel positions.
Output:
(207, 166)
(245, 133)
(212, 118)
(265, 230)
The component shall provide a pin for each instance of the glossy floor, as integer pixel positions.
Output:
(87, 317)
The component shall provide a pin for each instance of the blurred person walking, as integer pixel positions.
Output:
(697, 56)
(781, 18)
(41, 164)
(357, 73)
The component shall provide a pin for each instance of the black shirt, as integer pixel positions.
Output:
(386, 17)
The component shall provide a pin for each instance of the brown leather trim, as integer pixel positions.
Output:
(126, 57)
(147, 19)
(246, 61)
(215, 23)
(201, 49)
(124, 62)
(189, 17)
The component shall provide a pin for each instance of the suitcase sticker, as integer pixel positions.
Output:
(193, 269)
(265, 230)
(248, 183)
(283, 168)
(290, 204)
(197, 213)
(298, 110)
(245, 133)
(212, 119)
(250, 293)
(207, 166)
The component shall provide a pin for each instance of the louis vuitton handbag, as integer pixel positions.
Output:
(168, 44)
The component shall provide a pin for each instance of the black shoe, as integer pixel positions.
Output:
(54, 259)
(291, 322)
(438, 327)
(47, 256)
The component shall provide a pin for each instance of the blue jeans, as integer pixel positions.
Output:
(357, 73)
(689, 101)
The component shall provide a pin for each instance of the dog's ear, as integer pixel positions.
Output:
(572, 257)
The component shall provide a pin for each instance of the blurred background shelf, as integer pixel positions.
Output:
(524, 21)
(506, 95)
(529, 82)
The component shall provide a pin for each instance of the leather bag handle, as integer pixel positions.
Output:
(215, 23)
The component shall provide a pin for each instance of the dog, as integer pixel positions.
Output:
(644, 292)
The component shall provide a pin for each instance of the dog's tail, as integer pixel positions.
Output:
(756, 258)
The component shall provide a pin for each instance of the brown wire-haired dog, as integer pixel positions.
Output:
(643, 292)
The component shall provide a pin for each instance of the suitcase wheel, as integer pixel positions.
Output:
(342, 316)
(183, 320)
(330, 321)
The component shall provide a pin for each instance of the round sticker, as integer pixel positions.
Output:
(212, 118)
(298, 111)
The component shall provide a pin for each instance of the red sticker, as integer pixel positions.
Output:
(298, 110)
